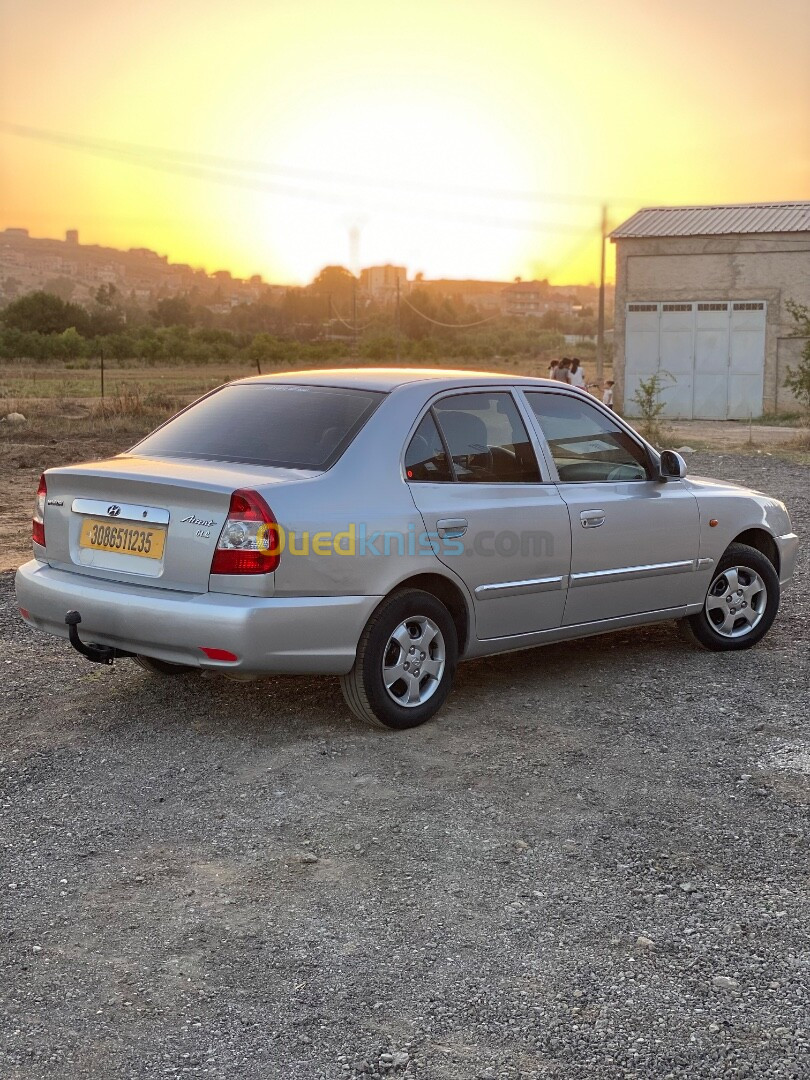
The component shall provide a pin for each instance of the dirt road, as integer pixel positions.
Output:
(593, 864)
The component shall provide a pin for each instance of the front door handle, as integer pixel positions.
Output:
(592, 519)
(447, 528)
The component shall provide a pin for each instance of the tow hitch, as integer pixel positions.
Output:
(99, 654)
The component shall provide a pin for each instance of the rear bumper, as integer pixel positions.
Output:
(284, 635)
(788, 549)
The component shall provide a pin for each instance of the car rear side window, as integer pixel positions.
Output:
(487, 439)
(273, 424)
(586, 444)
(425, 458)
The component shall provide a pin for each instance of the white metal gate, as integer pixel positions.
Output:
(711, 356)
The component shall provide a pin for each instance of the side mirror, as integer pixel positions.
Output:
(671, 466)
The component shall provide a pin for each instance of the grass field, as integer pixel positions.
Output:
(23, 382)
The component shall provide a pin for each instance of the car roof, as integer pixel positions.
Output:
(387, 379)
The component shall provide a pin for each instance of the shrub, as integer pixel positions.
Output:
(650, 407)
(798, 378)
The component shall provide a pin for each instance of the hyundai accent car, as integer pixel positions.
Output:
(381, 525)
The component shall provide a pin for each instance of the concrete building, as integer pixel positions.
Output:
(381, 282)
(525, 298)
(533, 299)
(700, 295)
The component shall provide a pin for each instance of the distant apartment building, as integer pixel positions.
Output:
(527, 298)
(533, 299)
(380, 283)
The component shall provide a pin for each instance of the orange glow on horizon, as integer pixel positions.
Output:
(461, 139)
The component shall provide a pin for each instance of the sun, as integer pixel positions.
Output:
(420, 177)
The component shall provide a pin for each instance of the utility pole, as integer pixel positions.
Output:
(399, 327)
(354, 317)
(600, 330)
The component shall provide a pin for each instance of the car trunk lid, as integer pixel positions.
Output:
(151, 521)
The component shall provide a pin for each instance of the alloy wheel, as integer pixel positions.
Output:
(413, 661)
(736, 601)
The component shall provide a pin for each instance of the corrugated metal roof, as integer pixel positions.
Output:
(784, 217)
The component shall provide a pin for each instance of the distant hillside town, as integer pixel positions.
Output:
(75, 272)
(142, 278)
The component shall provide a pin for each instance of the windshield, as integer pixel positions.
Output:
(274, 424)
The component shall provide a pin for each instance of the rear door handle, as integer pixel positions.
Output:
(447, 528)
(592, 519)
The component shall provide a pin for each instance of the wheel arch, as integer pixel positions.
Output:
(451, 595)
(762, 540)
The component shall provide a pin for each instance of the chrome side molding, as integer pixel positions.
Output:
(512, 588)
(630, 573)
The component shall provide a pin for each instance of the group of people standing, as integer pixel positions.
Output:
(570, 370)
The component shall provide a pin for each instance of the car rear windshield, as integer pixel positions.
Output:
(283, 425)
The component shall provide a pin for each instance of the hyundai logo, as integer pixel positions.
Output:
(113, 510)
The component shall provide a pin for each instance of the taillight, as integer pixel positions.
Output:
(249, 542)
(38, 522)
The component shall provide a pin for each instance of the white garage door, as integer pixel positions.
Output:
(711, 357)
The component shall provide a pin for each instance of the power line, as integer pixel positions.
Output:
(224, 165)
(350, 326)
(450, 326)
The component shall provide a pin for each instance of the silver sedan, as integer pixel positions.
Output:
(381, 525)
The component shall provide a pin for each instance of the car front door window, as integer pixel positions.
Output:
(587, 446)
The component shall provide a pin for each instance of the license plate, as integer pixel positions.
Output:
(127, 538)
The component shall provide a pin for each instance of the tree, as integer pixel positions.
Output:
(105, 295)
(337, 282)
(798, 378)
(254, 318)
(45, 313)
(173, 311)
(415, 315)
(105, 321)
(72, 344)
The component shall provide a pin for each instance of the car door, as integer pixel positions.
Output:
(634, 537)
(493, 518)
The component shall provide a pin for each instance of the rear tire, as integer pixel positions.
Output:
(162, 667)
(405, 664)
(740, 605)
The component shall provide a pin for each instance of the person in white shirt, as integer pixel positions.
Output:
(607, 395)
(577, 374)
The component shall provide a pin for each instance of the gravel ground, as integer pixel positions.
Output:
(594, 864)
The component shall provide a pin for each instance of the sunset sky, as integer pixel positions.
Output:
(467, 138)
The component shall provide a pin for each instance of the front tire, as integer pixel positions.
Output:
(741, 602)
(405, 663)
